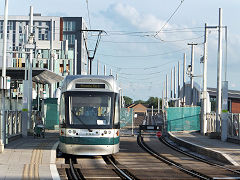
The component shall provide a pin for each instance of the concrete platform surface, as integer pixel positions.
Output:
(29, 158)
(215, 148)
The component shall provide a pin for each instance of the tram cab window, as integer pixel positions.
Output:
(90, 109)
(117, 111)
(62, 110)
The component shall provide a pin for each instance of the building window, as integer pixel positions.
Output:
(70, 38)
(69, 25)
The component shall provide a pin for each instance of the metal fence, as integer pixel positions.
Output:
(13, 123)
(234, 126)
(211, 122)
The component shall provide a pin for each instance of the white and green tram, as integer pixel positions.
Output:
(89, 115)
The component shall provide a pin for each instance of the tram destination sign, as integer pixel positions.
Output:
(100, 86)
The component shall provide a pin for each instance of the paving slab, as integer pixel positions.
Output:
(26, 157)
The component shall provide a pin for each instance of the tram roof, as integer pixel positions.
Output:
(109, 79)
(39, 75)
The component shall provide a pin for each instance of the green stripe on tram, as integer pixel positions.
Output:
(89, 140)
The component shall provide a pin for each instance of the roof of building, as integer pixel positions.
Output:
(39, 75)
(231, 93)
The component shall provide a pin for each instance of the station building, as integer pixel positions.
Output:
(68, 52)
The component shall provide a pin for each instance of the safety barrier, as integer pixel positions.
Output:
(211, 122)
(183, 118)
(234, 126)
(13, 123)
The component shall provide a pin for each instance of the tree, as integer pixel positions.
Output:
(152, 101)
(127, 100)
(139, 102)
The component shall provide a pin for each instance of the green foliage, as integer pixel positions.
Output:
(152, 101)
(139, 102)
(127, 100)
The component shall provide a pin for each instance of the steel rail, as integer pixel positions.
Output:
(118, 169)
(164, 141)
(74, 173)
(170, 162)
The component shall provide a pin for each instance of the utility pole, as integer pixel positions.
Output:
(51, 58)
(204, 109)
(171, 83)
(97, 67)
(166, 90)
(219, 73)
(105, 70)
(75, 58)
(192, 69)
(179, 89)
(30, 42)
(175, 82)
(3, 80)
(184, 78)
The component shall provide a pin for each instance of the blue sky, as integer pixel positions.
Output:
(141, 60)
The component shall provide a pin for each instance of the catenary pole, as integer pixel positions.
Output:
(171, 83)
(219, 73)
(184, 78)
(3, 79)
(175, 82)
(105, 70)
(166, 90)
(30, 68)
(204, 109)
(179, 89)
(192, 70)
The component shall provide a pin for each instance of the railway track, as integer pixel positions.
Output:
(169, 161)
(81, 168)
(217, 164)
(194, 165)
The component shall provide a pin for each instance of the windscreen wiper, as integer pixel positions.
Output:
(74, 113)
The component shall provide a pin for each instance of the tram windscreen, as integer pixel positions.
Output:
(90, 109)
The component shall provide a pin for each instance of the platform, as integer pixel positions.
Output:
(29, 158)
(215, 148)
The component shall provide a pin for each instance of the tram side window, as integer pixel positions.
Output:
(62, 110)
(117, 111)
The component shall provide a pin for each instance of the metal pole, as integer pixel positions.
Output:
(116, 76)
(152, 111)
(110, 72)
(171, 83)
(75, 59)
(179, 80)
(105, 70)
(97, 67)
(166, 90)
(226, 46)
(204, 112)
(184, 78)
(158, 105)
(162, 101)
(175, 82)
(30, 69)
(51, 57)
(192, 69)
(219, 72)
(3, 79)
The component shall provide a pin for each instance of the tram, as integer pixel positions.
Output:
(89, 119)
